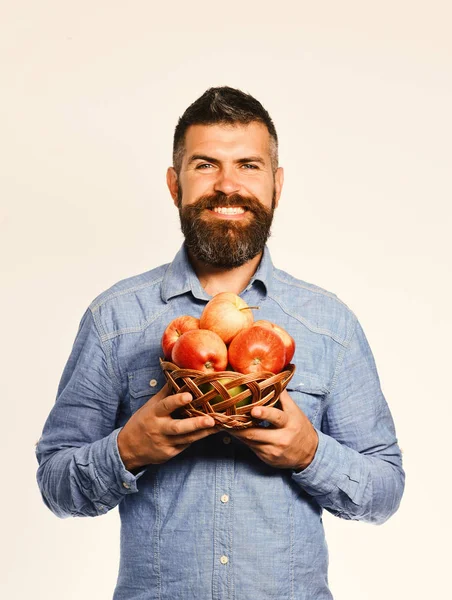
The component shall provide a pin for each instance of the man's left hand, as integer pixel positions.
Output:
(292, 441)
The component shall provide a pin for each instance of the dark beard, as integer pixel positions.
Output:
(225, 243)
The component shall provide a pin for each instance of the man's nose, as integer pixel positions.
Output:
(227, 181)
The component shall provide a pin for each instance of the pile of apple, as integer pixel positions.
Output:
(226, 337)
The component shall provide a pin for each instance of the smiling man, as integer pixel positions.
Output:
(226, 187)
(210, 514)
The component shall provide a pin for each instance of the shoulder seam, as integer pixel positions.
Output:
(137, 329)
(340, 358)
(96, 305)
(106, 349)
(309, 325)
(311, 288)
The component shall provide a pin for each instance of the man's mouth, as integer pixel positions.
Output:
(229, 210)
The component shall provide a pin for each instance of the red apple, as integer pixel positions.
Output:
(226, 314)
(200, 349)
(174, 330)
(289, 342)
(257, 349)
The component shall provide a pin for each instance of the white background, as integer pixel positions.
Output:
(361, 96)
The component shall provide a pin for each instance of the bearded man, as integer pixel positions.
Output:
(208, 513)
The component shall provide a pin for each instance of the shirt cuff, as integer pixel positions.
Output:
(113, 471)
(334, 467)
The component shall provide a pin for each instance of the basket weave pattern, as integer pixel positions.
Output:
(262, 389)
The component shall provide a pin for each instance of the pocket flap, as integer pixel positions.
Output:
(307, 383)
(308, 392)
(146, 382)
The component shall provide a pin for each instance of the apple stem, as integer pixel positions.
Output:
(250, 308)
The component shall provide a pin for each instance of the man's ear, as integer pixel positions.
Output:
(172, 183)
(279, 181)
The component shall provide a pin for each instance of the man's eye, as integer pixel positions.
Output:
(203, 165)
(250, 166)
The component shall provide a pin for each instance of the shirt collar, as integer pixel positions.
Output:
(181, 278)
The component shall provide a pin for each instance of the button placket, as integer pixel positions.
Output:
(223, 519)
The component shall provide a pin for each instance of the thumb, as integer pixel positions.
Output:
(163, 392)
(287, 404)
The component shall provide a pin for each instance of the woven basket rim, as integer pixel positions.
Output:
(263, 389)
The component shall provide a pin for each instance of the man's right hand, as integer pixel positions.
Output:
(152, 436)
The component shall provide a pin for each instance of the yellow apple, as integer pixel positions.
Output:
(206, 387)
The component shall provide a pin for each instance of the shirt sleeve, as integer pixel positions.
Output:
(80, 469)
(357, 470)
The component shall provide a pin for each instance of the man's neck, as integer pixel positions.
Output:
(215, 279)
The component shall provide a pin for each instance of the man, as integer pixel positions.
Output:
(210, 514)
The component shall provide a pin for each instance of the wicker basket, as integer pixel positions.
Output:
(262, 389)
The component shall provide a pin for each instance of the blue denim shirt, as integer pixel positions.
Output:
(216, 522)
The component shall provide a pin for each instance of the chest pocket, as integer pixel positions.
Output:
(143, 384)
(309, 394)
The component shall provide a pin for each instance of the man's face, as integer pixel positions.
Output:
(226, 192)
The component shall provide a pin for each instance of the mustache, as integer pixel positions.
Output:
(220, 199)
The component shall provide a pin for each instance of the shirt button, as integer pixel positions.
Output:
(224, 560)
(226, 439)
(153, 382)
(224, 498)
(126, 485)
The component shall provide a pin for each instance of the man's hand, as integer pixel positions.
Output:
(292, 441)
(152, 436)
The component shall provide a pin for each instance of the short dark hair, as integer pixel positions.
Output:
(223, 105)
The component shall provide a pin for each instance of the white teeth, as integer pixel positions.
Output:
(230, 210)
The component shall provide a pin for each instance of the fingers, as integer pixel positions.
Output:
(183, 432)
(168, 404)
(255, 435)
(274, 416)
(188, 439)
(181, 427)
